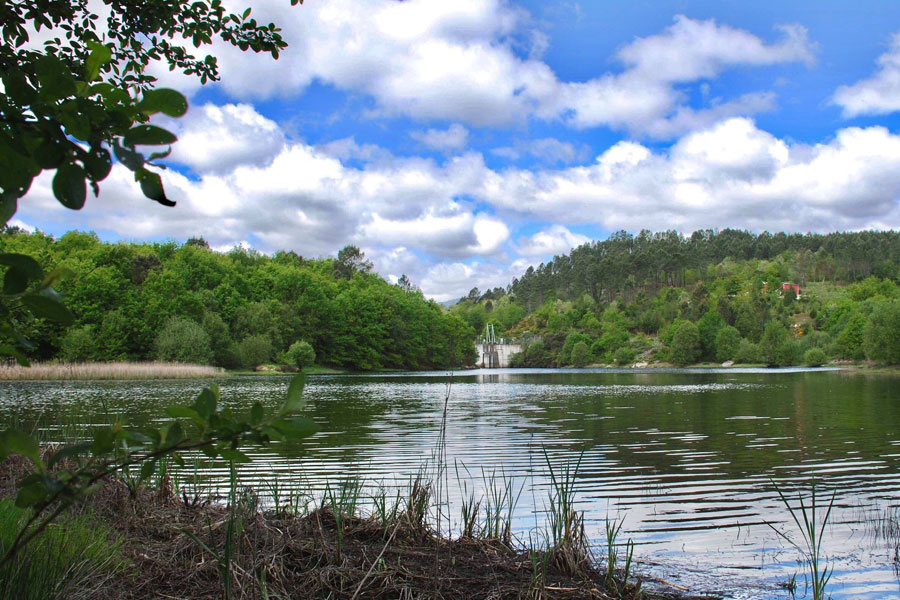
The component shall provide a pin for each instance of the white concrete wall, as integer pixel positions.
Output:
(503, 352)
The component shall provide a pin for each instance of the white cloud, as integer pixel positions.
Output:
(878, 94)
(551, 242)
(730, 175)
(462, 62)
(215, 138)
(452, 138)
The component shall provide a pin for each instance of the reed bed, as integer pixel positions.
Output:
(177, 547)
(107, 370)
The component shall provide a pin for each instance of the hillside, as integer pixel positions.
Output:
(710, 297)
(238, 309)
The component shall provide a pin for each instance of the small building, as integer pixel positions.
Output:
(791, 286)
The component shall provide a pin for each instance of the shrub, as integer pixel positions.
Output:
(685, 344)
(301, 354)
(747, 352)
(79, 344)
(624, 356)
(814, 357)
(580, 354)
(254, 350)
(727, 342)
(183, 340)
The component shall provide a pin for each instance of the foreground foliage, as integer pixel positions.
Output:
(72, 472)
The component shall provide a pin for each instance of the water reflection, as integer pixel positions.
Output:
(685, 456)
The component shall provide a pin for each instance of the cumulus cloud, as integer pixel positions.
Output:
(452, 138)
(878, 94)
(449, 224)
(463, 62)
(730, 175)
(551, 242)
(215, 138)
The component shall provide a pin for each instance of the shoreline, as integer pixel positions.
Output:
(172, 543)
(156, 370)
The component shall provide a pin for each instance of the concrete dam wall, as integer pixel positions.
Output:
(500, 356)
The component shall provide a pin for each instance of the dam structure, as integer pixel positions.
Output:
(494, 352)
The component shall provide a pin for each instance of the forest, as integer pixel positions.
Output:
(238, 309)
(709, 297)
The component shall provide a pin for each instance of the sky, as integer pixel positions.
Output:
(460, 142)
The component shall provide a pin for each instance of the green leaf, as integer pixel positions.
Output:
(294, 400)
(15, 281)
(8, 207)
(24, 262)
(295, 428)
(54, 276)
(8, 350)
(98, 163)
(164, 100)
(99, 56)
(234, 455)
(148, 469)
(205, 404)
(148, 135)
(69, 186)
(131, 159)
(72, 450)
(19, 442)
(31, 493)
(256, 414)
(48, 308)
(103, 442)
(152, 187)
(183, 411)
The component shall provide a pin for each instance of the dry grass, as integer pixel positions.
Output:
(108, 370)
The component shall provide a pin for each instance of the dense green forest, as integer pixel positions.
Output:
(236, 309)
(709, 297)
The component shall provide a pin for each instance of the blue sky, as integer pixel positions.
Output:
(459, 142)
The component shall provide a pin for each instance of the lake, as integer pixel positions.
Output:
(686, 457)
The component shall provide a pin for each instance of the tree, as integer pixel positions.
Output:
(301, 354)
(581, 354)
(183, 340)
(727, 342)
(350, 260)
(772, 344)
(881, 334)
(254, 350)
(685, 344)
(86, 94)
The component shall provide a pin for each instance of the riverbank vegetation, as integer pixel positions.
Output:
(238, 309)
(170, 539)
(713, 297)
(108, 370)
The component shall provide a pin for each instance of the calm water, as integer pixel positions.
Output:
(685, 457)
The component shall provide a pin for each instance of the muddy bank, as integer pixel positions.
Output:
(193, 548)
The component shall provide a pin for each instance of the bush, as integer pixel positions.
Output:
(183, 340)
(79, 344)
(685, 344)
(727, 342)
(581, 354)
(814, 357)
(301, 354)
(624, 356)
(747, 352)
(254, 350)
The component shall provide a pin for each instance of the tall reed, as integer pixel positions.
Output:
(108, 370)
(811, 533)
